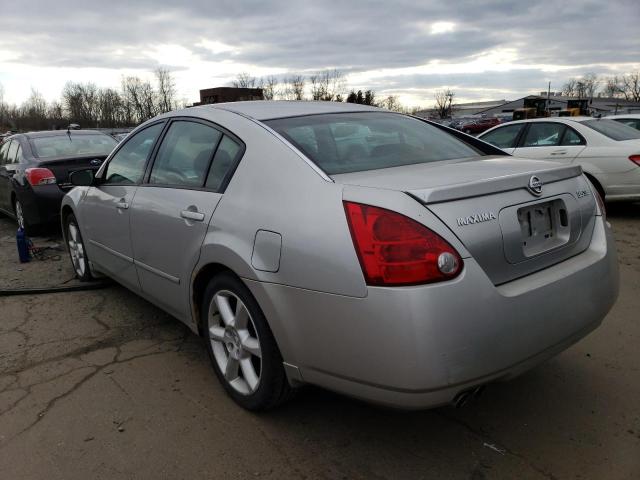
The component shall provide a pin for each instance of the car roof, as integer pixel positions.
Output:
(272, 109)
(623, 115)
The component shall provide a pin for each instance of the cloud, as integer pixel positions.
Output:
(396, 47)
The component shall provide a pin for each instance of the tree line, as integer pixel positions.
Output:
(590, 85)
(90, 106)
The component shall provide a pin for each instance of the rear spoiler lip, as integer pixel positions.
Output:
(489, 186)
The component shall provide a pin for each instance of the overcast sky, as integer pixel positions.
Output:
(482, 50)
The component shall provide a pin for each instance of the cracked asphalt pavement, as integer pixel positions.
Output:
(103, 385)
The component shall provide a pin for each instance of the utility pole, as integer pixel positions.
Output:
(548, 100)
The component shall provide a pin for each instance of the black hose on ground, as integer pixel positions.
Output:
(58, 289)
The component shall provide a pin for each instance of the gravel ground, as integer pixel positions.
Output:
(102, 384)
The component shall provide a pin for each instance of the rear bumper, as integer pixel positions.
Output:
(417, 347)
(621, 186)
(41, 204)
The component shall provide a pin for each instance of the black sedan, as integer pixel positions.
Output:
(35, 168)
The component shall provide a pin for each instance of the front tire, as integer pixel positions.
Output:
(77, 250)
(242, 349)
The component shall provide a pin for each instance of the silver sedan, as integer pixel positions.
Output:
(364, 251)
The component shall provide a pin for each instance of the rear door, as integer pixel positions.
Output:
(172, 209)
(106, 207)
(553, 141)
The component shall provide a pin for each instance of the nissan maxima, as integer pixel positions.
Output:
(363, 251)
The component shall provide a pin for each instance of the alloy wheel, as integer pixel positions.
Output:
(235, 342)
(76, 250)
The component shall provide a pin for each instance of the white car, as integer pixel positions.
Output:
(607, 151)
(630, 119)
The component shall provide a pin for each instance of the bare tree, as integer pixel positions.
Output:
(294, 88)
(327, 84)
(444, 103)
(34, 110)
(612, 87)
(590, 82)
(569, 88)
(631, 86)
(244, 80)
(269, 86)
(392, 103)
(166, 90)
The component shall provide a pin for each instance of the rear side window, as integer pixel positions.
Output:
(127, 165)
(185, 154)
(504, 137)
(571, 137)
(614, 130)
(354, 142)
(11, 154)
(543, 135)
(4, 150)
(224, 163)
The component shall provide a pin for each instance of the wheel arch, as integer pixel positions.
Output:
(596, 184)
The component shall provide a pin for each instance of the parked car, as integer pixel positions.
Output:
(410, 275)
(35, 167)
(629, 119)
(607, 151)
(480, 125)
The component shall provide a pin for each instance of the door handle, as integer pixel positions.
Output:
(191, 215)
(122, 205)
(559, 152)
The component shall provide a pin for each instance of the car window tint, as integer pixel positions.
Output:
(72, 145)
(127, 165)
(630, 122)
(571, 137)
(11, 154)
(614, 130)
(543, 135)
(185, 154)
(355, 142)
(4, 149)
(503, 137)
(223, 162)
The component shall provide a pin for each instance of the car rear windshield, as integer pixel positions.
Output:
(612, 129)
(355, 142)
(72, 145)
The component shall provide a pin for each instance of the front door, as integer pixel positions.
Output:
(106, 208)
(172, 210)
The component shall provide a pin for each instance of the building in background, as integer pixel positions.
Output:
(228, 94)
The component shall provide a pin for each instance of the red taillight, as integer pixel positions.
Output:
(39, 176)
(635, 159)
(395, 250)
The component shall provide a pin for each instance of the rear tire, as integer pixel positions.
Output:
(76, 248)
(242, 349)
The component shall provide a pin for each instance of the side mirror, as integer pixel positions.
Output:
(82, 178)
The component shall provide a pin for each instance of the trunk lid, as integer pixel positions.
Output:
(509, 229)
(62, 167)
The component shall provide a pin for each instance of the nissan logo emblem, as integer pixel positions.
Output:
(535, 185)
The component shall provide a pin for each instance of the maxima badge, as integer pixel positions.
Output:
(535, 185)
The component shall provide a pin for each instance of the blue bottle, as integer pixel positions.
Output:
(23, 246)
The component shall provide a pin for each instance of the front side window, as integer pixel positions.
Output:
(185, 154)
(354, 142)
(543, 135)
(127, 165)
(504, 137)
(612, 129)
(72, 145)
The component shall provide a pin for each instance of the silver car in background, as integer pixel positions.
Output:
(364, 251)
